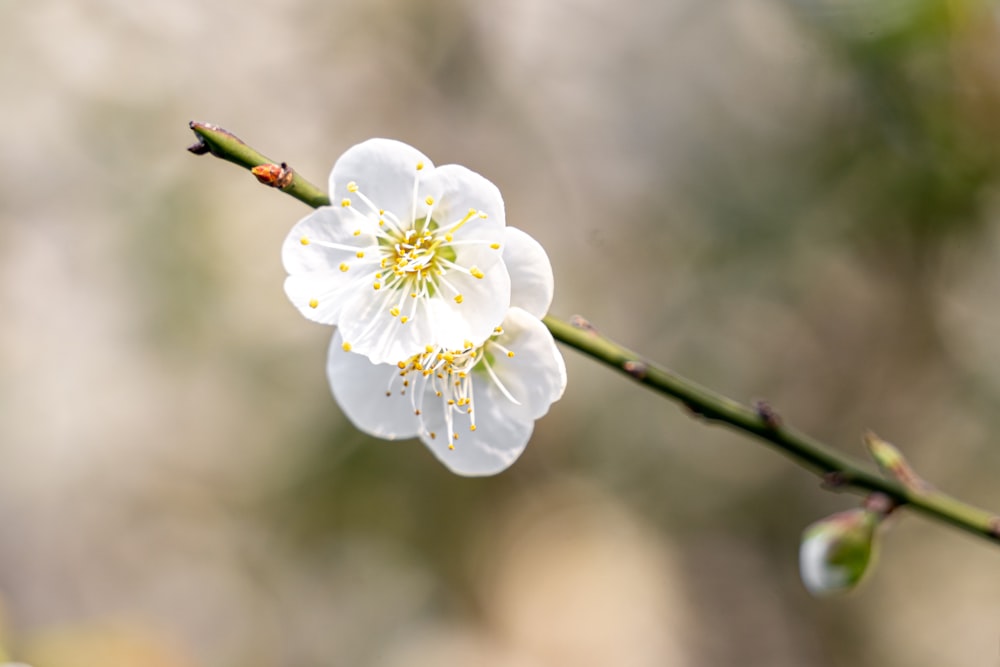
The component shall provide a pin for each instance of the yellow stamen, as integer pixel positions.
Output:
(352, 187)
(495, 246)
(345, 202)
(313, 303)
(346, 346)
(344, 266)
(459, 298)
(304, 241)
(476, 273)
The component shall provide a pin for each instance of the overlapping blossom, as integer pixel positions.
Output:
(407, 254)
(474, 405)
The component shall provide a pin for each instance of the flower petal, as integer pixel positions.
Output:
(531, 282)
(536, 375)
(384, 171)
(360, 388)
(483, 305)
(495, 444)
(460, 190)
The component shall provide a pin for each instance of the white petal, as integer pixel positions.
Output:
(368, 325)
(495, 444)
(536, 375)
(384, 171)
(360, 387)
(484, 303)
(458, 190)
(531, 281)
(307, 246)
(316, 295)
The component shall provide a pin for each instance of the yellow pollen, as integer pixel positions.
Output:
(360, 254)
(468, 345)
(450, 446)
(404, 319)
(495, 246)
(394, 311)
(438, 394)
(352, 187)
(381, 222)
(472, 427)
(313, 303)
(428, 349)
(413, 295)
(420, 166)
(377, 285)
(459, 298)
(357, 232)
(345, 202)
(344, 266)
(483, 215)
(401, 365)
(510, 353)
(451, 402)
(429, 200)
(346, 347)
(472, 212)
(381, 211)
(304, 241)
(449, 238)
(476, 273)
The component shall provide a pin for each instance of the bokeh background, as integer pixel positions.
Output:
(794, 200)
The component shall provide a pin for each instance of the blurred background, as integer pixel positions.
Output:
(794, 200)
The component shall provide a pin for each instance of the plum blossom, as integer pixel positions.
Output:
(407, 254)
(474, 405)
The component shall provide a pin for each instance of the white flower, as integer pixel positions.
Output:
(407, 254)
(475, 405)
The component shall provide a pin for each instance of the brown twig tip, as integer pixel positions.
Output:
(203, 130)
(274, 175)
(767, 414)
(636, 369)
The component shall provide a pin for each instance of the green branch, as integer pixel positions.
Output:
(838, 472)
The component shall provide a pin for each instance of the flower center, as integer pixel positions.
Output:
(446, 376)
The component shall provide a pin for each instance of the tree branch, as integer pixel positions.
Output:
(837, 471)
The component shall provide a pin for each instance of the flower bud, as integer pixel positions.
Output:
(836, 551)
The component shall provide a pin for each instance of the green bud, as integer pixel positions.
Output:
(836, 551)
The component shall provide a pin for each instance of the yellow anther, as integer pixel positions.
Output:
(468, 344)
(472, 212)
(394, 311)
(495, 246)
(413, 295)
(404, 319)
(476, 273)
(449, 238)
(345, 202)
(313, 303)
(381, 211)
(401, 365)
(352, 187)
(438, 394)
(510, 353)
(472, 427)
(344, 266)
(304, 241)
(483, 215)
(360, 254)
(377, 285)
(429, 200)
(381, 222)
(428, 349)
(357, 232)
(420, 166)
(346, 347)
(459, 298)
(451, 402)
(450, 446)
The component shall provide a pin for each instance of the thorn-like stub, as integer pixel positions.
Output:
(582, 323)
(199, 147)
(768, 415)
(636, 369)
(995, 526)
(834, 480)
(201, 129)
